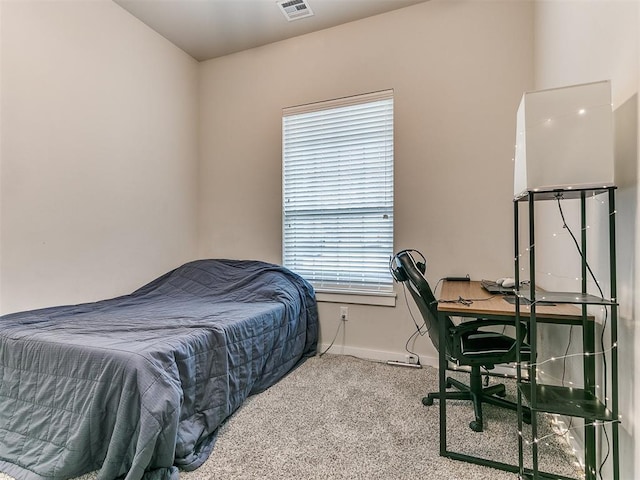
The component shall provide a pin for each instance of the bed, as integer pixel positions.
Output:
(137, 386)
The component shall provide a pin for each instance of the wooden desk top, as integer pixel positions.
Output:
(486, 304)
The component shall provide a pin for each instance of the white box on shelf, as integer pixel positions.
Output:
(564, 139)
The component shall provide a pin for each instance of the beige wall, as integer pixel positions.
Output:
(101, 189)
(458, 69)
(578, 42)
(98, 153)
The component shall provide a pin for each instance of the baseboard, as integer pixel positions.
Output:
(385, 355)
(376, 355)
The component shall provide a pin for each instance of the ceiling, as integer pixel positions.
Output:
(207, 29)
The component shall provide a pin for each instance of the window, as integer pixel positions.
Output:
(338, 192)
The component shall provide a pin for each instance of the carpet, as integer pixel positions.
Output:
(339, 417)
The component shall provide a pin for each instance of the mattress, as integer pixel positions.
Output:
(137, 386)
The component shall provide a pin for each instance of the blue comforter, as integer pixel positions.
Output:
(137, 386)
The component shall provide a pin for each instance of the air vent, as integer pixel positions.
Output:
(295, 9)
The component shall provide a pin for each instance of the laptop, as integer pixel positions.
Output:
(495, 289)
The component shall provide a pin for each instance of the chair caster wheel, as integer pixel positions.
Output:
(526, 417)
(448, 385)
(427, 401)
(502, 394)
(476, 426)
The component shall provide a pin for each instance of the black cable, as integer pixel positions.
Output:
(435, 290)
(606, 457)
(566, 352)
(406, 346)
(418, 327)
(604, 325)
(606, 312)
(334, 338)
(466, 301)
(575, 241)
(604, 358)
(406, 300)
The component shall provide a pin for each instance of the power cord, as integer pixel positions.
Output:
(595, 280)
(406, 300)
(566, 353)
(406, 346)
(604, 326)
(334, 339)
(466, 301)
(419, 328)
(575, 241)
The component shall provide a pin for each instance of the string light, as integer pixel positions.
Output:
(560, 380)
(553, 359)
(544, 300)
(567, 281)
(566, 277)
(564, 433)
(595, 423)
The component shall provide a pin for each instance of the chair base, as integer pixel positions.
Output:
(478, 395)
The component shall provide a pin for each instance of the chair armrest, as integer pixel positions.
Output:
(474, 325)
(479, 323)
(457, 333)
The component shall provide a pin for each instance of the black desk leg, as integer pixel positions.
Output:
(442, 372)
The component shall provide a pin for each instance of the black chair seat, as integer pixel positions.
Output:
(485, 343)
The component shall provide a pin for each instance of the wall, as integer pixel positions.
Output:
(98, 153)
(458, 70)
(579, 42)
(99, 172)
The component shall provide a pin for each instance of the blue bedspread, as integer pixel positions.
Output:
(137, 386)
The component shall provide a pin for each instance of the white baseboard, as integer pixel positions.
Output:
(377, 355)
(385, 355)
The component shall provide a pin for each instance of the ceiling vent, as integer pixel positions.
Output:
(295, 9)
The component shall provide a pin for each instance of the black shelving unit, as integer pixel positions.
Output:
(583, 401)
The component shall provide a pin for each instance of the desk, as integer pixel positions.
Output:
(486, 305)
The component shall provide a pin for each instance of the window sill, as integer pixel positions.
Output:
(382, 299)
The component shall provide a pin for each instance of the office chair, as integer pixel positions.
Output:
(466, 344)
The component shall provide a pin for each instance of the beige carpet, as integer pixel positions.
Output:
(338, 417)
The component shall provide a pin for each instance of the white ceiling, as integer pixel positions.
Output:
(207, 29)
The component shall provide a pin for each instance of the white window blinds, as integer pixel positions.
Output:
(338, 192)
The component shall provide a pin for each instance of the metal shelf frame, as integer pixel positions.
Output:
(580, 402)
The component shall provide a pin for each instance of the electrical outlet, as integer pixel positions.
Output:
(411, 359)
(344, 313)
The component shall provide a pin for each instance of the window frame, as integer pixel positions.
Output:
(375, 293)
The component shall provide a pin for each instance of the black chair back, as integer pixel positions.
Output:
(406, 270)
